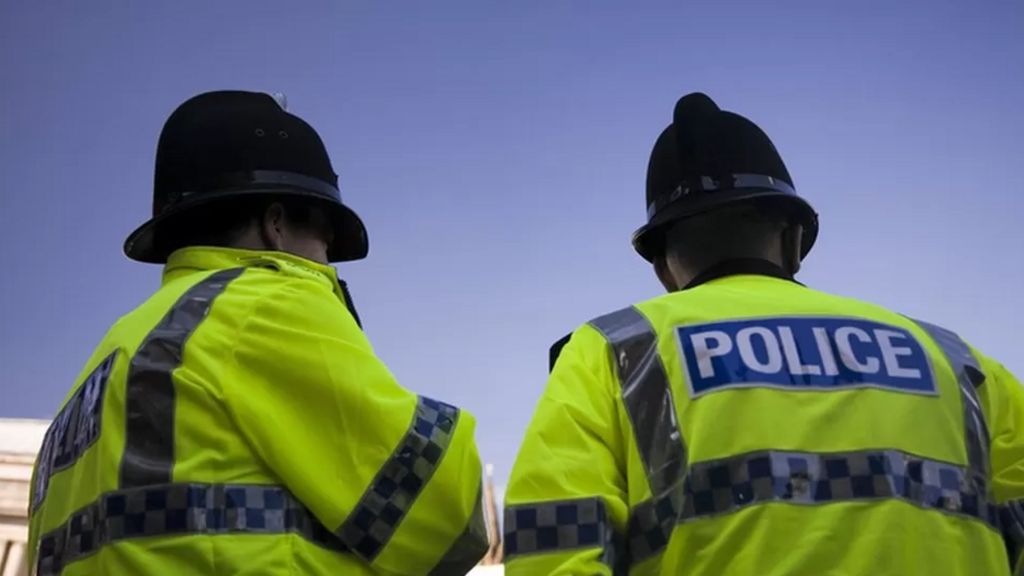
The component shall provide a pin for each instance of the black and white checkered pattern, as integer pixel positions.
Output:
(177, 509)
(369, 527)
(722, 486)
(651, 523)
(1011, 514)
(558, 527)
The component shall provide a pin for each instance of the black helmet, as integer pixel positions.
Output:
(223, 145)
(708, 158)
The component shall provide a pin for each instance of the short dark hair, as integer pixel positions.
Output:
(741, 230)
(222, 223)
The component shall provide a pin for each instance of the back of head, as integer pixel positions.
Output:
(741, 231)
(224, 155)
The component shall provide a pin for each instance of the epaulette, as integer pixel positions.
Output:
(556, 350)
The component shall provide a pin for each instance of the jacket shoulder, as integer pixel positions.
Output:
(556, 350)
(267, 267)
(604, 325)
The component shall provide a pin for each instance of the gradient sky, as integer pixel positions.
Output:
(497, 151)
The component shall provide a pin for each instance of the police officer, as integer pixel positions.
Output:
(238, 422)
(745, 424)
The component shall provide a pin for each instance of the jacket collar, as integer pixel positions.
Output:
(746, 266)
(200, 258)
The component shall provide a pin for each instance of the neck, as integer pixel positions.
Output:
(735, 266)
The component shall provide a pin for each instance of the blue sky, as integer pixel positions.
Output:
(497, 150)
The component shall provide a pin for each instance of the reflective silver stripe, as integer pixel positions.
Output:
(270, 179)
(149, 395)
(560, 526)
(469, 547)
(179, 510)
(969, 376)
(704, 184)
(647, 396)
(722, 486)
(392, 493)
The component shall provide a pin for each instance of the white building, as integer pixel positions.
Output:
(19, 442)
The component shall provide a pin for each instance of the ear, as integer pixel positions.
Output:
(792, 247)
(272, 226)
(664, 274)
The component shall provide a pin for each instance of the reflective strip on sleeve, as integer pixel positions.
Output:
(392, 493)
(149, 394)
(561, 526)
(647, 396)
(969, 376)
(176, 510)
(469, 547)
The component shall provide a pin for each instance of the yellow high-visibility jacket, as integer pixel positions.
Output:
(238, 422)
(751, 425)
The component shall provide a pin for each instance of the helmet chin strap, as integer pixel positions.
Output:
(663, 273)
(791, 241)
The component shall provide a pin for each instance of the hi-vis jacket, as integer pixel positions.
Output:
(751, 425)
(238, 422)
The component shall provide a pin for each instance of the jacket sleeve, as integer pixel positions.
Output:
(395, 476)
(566, 499)
(1003, 400)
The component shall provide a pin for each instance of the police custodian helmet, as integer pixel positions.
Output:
(224, 145)
(708, 158)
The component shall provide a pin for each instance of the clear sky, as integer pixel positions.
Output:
(497, 152)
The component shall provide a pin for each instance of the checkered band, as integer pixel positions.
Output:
(722, 486)
(651, 523)
(1011, 516)
(558, 527)
(374, 520)
(179, 509)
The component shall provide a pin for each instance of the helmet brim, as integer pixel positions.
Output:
(648, 241)
(350, 238)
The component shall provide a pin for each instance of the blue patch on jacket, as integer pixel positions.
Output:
(803, 353)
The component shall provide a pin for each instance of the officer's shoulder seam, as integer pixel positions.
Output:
(283, 267)
(257, 307)
(555, 350)
(618, 319)
(282, 284)
(286, 291)
(612, 313)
